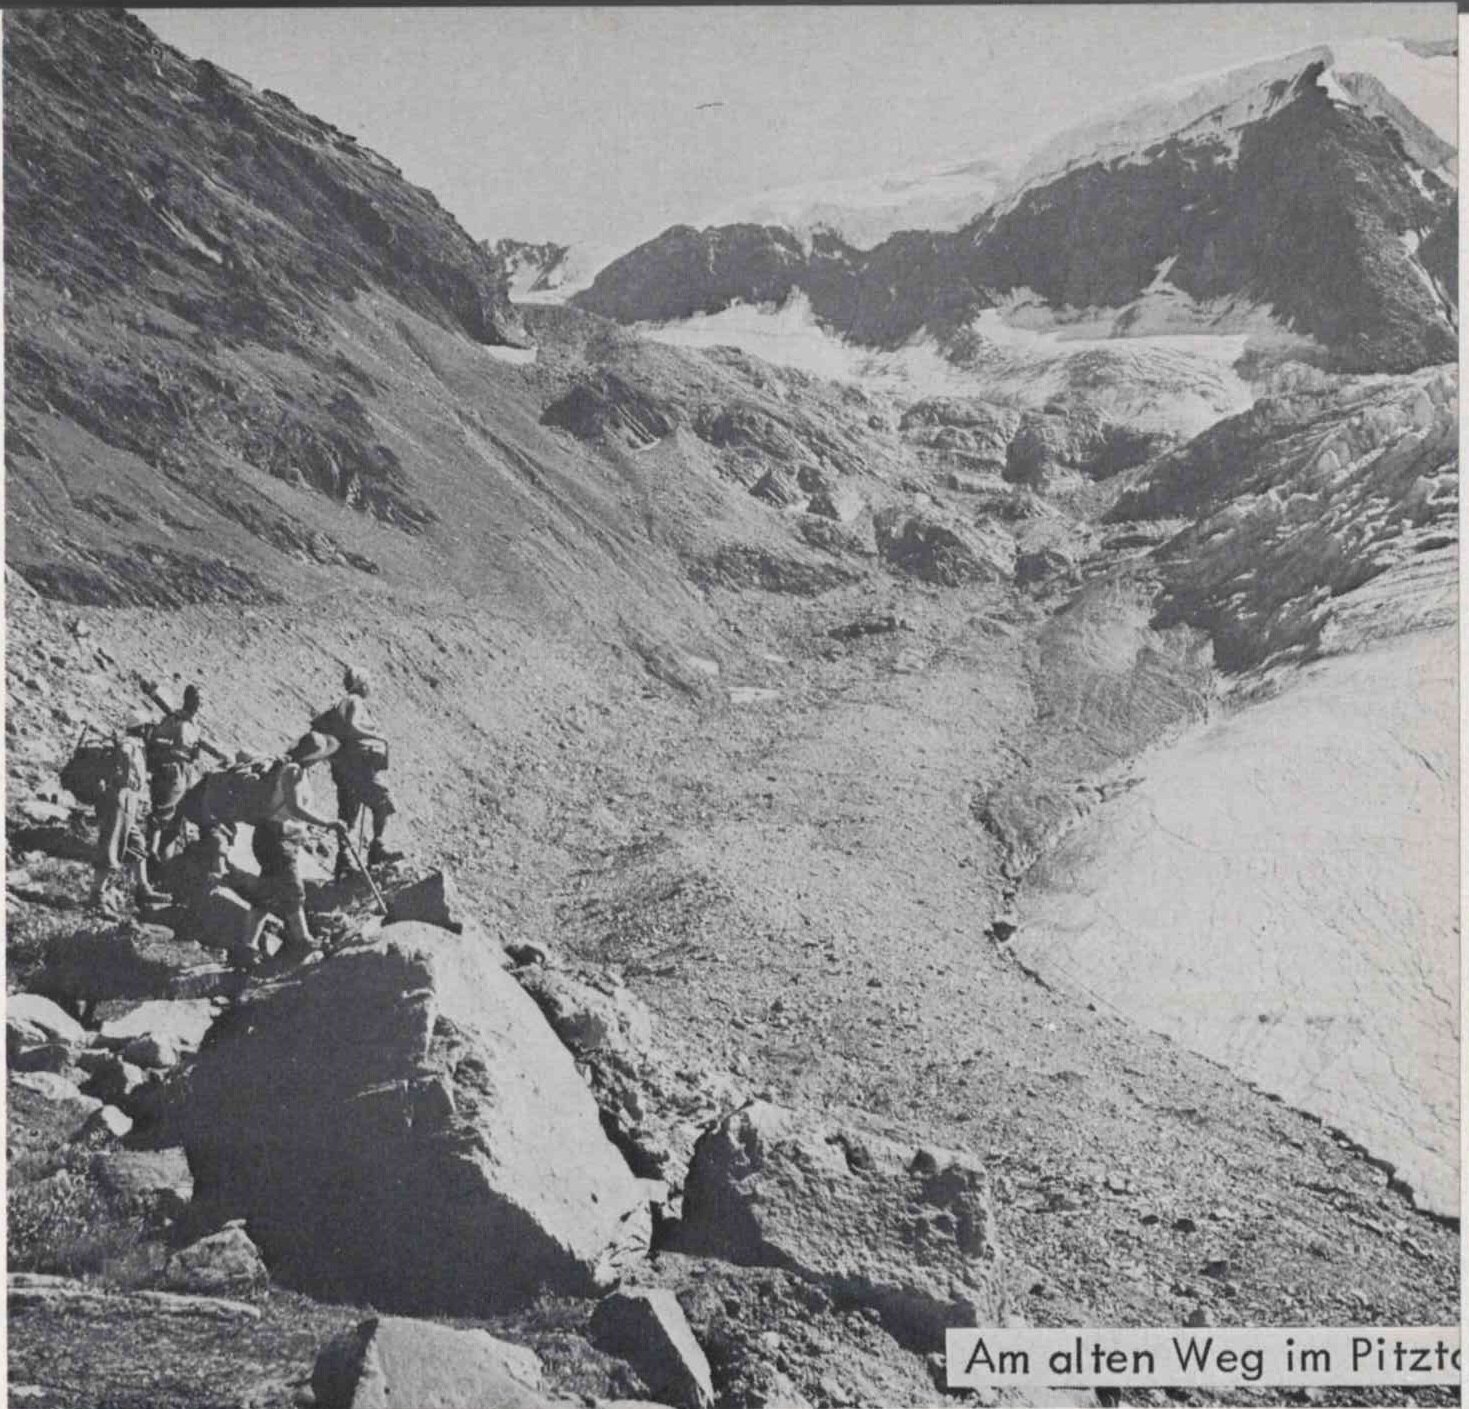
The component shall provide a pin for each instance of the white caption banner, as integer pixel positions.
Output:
(1216, 1356)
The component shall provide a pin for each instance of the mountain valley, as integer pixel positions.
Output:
(963, 724)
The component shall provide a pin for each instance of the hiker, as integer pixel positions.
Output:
(277, 840)
(274, 799)
(173, 754)
(122, 801)
(357, 769)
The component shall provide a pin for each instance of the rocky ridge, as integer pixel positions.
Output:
(1271, 201)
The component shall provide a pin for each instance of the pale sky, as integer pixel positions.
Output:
(583, 124)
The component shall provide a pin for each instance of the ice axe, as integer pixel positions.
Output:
(346, 839)
(151, 690)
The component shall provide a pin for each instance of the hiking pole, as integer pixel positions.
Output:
(356, 856)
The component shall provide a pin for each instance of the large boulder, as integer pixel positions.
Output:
(400, 1125)
(654, 1104)
(389, 1362)
(907, 1231)
(647, 1328)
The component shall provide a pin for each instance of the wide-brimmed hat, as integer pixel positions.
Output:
(312, 748)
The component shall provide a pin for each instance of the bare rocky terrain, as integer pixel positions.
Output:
(799, 754)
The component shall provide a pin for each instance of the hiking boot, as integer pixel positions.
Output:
(379, 855)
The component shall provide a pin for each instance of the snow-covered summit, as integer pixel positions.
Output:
(1412, 84)
(864, 211)
(1415, 90)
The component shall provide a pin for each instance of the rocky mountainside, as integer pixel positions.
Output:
(801, 777)
(1298, 197)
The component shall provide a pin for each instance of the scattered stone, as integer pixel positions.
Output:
(33, 1011)
(390, 1361)
(527, 953)
(153, 1050)
(1043, 564)
(394, 1124)
(105, 1124)
(113, 1080)
(841, 502)
(434, 900)
(647, 1328)
(223, 1262)
(1185, 1225)
(1199, 1316)
(944, 554)
(868, 626)
(182, 1021)
(42, 814)
(1217, 1267)
(57, 1089)
(833, 1390)
(28, 1291)
(145, 1176)
(907, 1232)
(47, 1056)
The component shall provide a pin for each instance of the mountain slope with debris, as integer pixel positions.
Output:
(769, 723)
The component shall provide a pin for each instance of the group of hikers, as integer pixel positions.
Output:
(150, 790)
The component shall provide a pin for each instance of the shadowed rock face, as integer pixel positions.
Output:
(1308, 216)
(1306, 498)
(199, 249)
(401, 1126)
(325, 216)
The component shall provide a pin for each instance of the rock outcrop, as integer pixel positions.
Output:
(225, 1263)
(389, 1362)
(395, 1126)
(906, 1231)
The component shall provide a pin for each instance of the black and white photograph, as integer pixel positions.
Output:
(732, 707)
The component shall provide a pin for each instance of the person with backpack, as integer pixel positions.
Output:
(274, 798)
(357, 769)
(121, 796)
(173, 754)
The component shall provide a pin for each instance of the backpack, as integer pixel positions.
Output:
(242, 792)
(371, 753)
(330, 722)
(97, 766)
